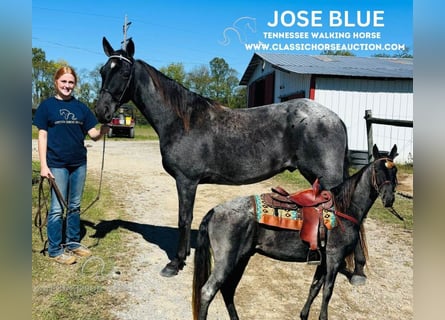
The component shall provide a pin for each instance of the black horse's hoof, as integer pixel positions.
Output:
(357, 280)
(172, 269)
(169, 271)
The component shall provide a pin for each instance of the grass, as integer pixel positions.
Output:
(78, 291)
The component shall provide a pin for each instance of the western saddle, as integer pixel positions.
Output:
(310, 203)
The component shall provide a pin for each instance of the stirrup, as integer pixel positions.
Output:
(311, 259)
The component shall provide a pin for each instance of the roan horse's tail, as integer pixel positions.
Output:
(203, 263)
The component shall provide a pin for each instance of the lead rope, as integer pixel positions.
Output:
(40, 222)
(100, 178)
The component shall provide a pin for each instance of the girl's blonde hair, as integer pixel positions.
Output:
(63, 70)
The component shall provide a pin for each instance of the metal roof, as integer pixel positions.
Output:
(333, 65)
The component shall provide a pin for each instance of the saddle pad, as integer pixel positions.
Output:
(280, 218)
(286, 218)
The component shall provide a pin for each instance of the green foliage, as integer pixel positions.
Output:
(43, 80)
(198, 80)
(223, 81)
(239, 98)
(337, 53)
(401, 54)
(42, 76)
(175, 71)
(217, 81)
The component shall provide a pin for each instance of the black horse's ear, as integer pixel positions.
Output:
(375, 152)
(130, 48)
(393, 152)
(108, 49)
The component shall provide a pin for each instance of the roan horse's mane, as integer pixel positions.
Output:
(185, 103)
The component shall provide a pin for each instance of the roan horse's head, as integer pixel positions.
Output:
(116, 76)
(385, 175)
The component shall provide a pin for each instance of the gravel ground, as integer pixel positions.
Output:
(268, 290)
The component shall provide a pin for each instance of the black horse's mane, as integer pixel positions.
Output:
(187, 104)
(344, 191)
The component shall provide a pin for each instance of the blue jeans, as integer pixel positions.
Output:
(70, 182)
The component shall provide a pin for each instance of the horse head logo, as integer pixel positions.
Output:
(241, 27)
(67, 115)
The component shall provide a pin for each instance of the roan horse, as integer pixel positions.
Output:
(230, 234)
(202, 141)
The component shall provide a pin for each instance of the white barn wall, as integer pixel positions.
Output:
(388, 99)
(349, 98)
(287, 83)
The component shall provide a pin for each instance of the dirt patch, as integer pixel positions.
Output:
(268, 290)
(405, 186)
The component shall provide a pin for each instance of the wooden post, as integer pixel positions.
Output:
(368, 117)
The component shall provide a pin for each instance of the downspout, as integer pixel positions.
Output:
(312, 88)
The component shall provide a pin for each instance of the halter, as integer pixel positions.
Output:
(121, 57)
(389, 164)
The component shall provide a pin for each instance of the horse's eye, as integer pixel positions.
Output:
(125, 73)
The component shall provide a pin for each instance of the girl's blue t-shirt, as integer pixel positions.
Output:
(67, 124)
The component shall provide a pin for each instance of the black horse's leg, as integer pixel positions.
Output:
(186, 196)
(358, 277)
(229, 287)
(328, 289)
(317, 283)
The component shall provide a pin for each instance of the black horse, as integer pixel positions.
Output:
(230, 234)
(202, 141)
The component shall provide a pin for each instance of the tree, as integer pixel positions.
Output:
(175, 71)
(402, 54)
(337, 53)
(42, 85)
(224, 80)
(83, 89)
(218, 82)
(95, 81)
(198, 80)
(239, 98)
(43, 71)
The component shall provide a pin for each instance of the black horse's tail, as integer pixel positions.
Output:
(203, 263)
(350, 261)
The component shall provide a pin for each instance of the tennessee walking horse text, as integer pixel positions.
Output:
(231, 233)
(202, 141)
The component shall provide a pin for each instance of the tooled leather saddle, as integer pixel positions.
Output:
(306, 211)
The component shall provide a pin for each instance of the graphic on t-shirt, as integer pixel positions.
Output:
(69, 116)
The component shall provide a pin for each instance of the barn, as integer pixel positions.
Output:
(349, 86)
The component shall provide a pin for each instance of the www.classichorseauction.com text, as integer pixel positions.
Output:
(289, 24)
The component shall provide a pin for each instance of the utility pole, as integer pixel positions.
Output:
(125, 28)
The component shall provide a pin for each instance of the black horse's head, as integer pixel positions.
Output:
(116, 76)
(385, 175)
